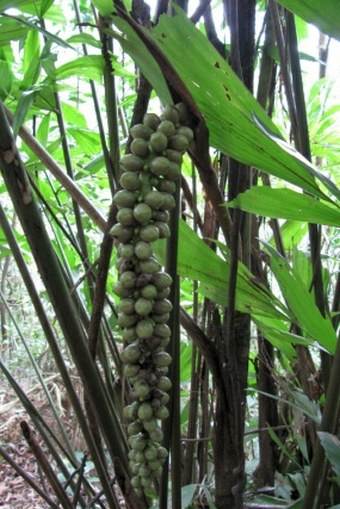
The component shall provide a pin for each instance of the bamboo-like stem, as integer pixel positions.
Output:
(20, 471)
(46, 467)
(29, 215)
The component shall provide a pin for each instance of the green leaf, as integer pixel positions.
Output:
(24, 104)
(84, 38)
(199, 262)
(188, 494)
(6, 79)
(43, 130)
(238, 126)
(88, 141)
(301, 302)
(90, 67)
(331, 445)
(11, 30)
(105, 7)
(324, 15)
(145, 61)
(31, 60)
(286, 204)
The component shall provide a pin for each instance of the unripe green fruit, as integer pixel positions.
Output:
(140, 148)
(165, 398)
(162, 330)
(174, 156)
(170, 113)
(164, 230)
(127, 320)
(150, 424)
(125, 216)
(149, 292)
(158, 142)
(179, 142)
(140, 131)
(162, 306)
(145, 411)
(144, 471)
(142, 213)
(134, 428)
(127, 306)
(142, 389)
(182, 112)
(167, 127)
(162, 453)
(161, 359)
(164, 383)
(131, 354)
(150, 266)
(156, 435)
(146, 482)
(151, 452)
(187, 132)
(154, 199)
(151, 120)
(159, 166)
(144, 328)
(128, 279)
(134, 467)
(139, 458)
(167, 186)
(138, 442)
(130, 181)
(161, 215)
(161, 280)
(122, 233)
(164, 318)
(143, 250)
(124, 198)
(130, 411)
(120, 290)
(149, 233)
(162, 413)
(168, 201)
(135, 482)
(131, 370)
(163, 294)
(174, 171)
(127, 251)
(131, 162)
(143, 306)
(129, 334)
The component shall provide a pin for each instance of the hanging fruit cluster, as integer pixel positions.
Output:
(148, 181)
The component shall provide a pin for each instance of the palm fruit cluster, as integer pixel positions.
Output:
(144, 202)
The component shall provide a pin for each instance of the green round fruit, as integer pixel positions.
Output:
(130, 181)
(150, 266)
(174, 156)
(142, 389)
(138, 442)
(156, 435)
(144, 471)
(129, 334)
(187, 132)
(127, 251)
(143, 306)
(149, 233)
(151, 120)
(151, 452)
(164, 230)
(142, 213)
(124, 198)
(162, 280)
(135, 482)
(150, 424)
(140, 131)
(168, 201)
(140, 148)
(134, 428)
(127, 306)
(143, 250)
(162, 413)
(159, 166)
(162, 330)
(161, 215)
(154, 199)
(161, 359)
(131, 353)
(120, 290)
(163, 294)
(130, 411)
(182, 111)
(125, 216)
(167, 186)
(144, 328)
(145, 411)
(121, 233)
(146, 482)
(167, 127)
(162, 306)
(131, 370)
(128, 279)
(174, 171)
(159, 142)
(170, 113)
(163, 318)
(131, 162)
(149, 292)
(164, 383)
(179, 142)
